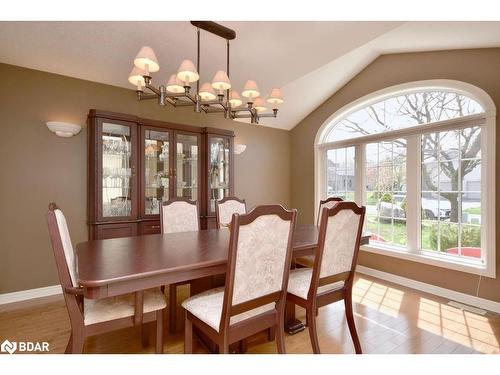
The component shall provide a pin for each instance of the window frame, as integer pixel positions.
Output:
(413, 252)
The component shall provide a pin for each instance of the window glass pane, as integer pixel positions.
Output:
(471, 241)
(429, 236)
(471, 170)
(449, 145)
(403, 111)
(448, 176)
(371, 178)
(340, 179)
(470, 143)
(451, 193)
(430, 176)
(471, 208)
(371, 153)
(448, 238)
(386, 191)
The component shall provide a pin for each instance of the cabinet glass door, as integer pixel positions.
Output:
(117, 167)
(186, 166)
(218, 170)
(156, 170)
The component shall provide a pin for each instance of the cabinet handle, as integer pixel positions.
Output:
(155, 227)
(133, 170)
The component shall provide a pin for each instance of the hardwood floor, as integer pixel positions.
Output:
(389, 319)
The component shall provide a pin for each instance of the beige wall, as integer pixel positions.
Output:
(36, 167)
(480, 67)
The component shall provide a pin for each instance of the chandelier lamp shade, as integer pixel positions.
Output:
(217, 96)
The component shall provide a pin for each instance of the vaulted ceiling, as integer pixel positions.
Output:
(309, 60)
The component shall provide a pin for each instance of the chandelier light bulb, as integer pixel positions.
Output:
(259, 105)
(136, 78)
(250, 90)
(275, 97)
(187, 72)
(146, 60)
(235, 99)
(174, 84)
(221, 81)
(207, 92)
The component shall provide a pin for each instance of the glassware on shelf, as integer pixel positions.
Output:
(116, 170)
(218, 169)
(187, 166)
(156, 175)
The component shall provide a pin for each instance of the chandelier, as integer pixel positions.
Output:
(215, 97)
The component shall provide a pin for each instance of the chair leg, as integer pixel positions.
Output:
(70, 343)
(350, 322)
(280, 338)
(242, 346)
(159, 332)
(172, 309)
(77, 341)
(145, 335)
(271, 334)
(224, 348)
(188, 336)
(313, 334)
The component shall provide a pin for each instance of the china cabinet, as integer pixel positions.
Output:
(135, 164)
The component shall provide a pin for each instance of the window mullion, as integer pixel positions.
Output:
(413, 193)
(359, 155)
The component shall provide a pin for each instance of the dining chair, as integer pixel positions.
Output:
(332, 275)
(89, 317)
(226, 207)
(308, 260)
(177, 215)
(253, 300)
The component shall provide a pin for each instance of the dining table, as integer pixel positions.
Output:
(118, 266)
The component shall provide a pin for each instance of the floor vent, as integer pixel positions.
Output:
(471, 309)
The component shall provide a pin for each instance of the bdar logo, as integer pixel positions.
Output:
(8, 347)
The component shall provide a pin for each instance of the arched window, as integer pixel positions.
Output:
(421, 158)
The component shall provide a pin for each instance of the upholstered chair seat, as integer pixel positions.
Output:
(300, 281)
(106, 309)
(207, 307)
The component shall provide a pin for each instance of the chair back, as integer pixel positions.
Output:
(340, 233)
(226, 207)
(179, 215)
(328, 203)
(259, 259)
(65, 261)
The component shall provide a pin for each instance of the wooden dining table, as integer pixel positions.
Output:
(119, 266)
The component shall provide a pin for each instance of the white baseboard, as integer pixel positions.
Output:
(24, 295)
(432, 289)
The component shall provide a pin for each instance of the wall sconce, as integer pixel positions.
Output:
(63, 129)
(238, 149)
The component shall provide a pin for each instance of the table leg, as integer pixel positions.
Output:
(292, 324)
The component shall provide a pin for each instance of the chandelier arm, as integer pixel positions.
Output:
(142, 96)
(154, 89)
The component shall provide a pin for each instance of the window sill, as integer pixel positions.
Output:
(473, 267)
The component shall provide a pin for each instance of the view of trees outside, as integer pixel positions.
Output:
(451, 171)
(340, 173)
(385, 170)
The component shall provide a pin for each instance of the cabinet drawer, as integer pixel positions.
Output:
(150, 227)
(117, 230)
